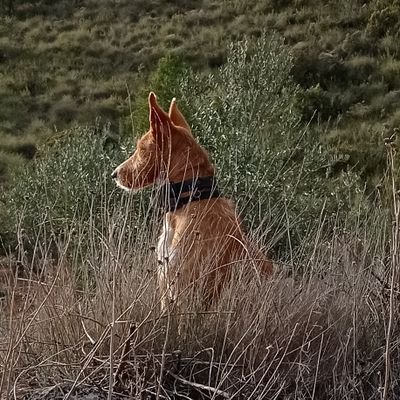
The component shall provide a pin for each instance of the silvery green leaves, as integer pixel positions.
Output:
(246, 114)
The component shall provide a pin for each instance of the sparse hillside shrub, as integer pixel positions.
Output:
(390, 46)
(38, 128)
(14, 152)
(246, 115)
(24, 146)
(9, 162)
(395, 120)
(165, 82)
(368, 157)
(361, 68)
(320, 103)
(63, 111)
(357, 42)
(390, 73)
(314, 66)
(385, 19)
(63, 186)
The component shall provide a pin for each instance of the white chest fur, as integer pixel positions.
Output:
(165, 252)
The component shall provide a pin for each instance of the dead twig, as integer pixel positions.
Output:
(125, 353)
(200, 387)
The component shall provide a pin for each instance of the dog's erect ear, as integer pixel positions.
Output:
(159, 119)
(176, 116)
(154, 107)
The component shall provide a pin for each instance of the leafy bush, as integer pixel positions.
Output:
(357, 42)
(395, 120)
(314, 66)
(24, 146)
(360, 68)
(389, 46)
(385, 19)
(246, 115)
(390, 72)
(63, 187)
(164, 81)
(317, 101)
(368, 157)
(64, 111)
(9, 162)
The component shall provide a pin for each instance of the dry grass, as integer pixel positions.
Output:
(89, 320)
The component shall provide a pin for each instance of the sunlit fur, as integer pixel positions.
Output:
(203, 241)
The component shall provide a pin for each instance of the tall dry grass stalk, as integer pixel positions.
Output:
(394, 267)
(90, 320)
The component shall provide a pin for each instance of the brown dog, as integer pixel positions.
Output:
(202, 239)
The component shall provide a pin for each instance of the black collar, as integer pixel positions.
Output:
(176, 195)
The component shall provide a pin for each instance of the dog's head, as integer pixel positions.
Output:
(167, 151)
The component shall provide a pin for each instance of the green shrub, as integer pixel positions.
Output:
(295, 33)
(390, 46)
(24, 146)
(360, 68)
(315, 67)
(363, 143)
(385, 19)
(357, 42)
(9, 163)
(64, 111)
(315, 100)
(327, 105)
(395, 120)
(38, 128)
(331, 39)
(108, 109)
(64, 186)
(164, 81)
(390, 73)
(246, 115)
(379, 105)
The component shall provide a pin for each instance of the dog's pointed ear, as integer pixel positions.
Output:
(176, 116)
(154, 107)
(159, 119)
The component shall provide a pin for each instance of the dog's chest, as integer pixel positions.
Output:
(165, 251)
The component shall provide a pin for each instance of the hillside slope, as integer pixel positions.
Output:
(74, 62)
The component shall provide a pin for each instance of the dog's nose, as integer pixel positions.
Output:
(114, 174)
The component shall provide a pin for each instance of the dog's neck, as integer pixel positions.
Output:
(187, 171)
(176, 195)
(188, 178)
(188, 184)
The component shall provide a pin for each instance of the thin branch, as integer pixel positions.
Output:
(199, 386)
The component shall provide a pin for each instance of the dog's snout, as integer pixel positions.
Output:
(114, 174)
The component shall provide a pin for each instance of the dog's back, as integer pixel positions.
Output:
(207, 244)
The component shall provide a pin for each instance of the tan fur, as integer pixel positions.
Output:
(202, 241)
